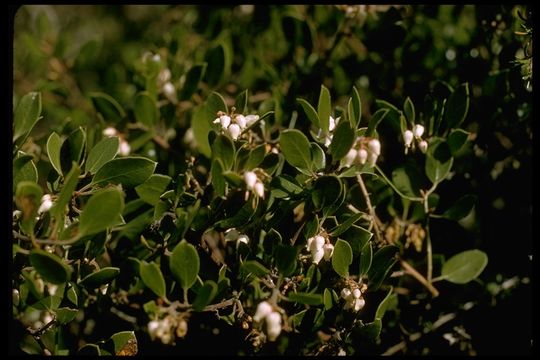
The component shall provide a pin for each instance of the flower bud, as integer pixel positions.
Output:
(182, 328)
(423, 145)
(309, 242)
(250, 119)
(153, 327)
(164, 75)
(374, 146)
(225, 120)
(408, 137)
(345, 293)
(234, 130)
(357, 293)
(350, 157)
(372, 159)
(250, 178)
(359, 304)
(273, 325)
(263, 310)
(110, 131)
(168, 90)
(241, 121)
(331, 124)
(123, 148)
(362, 156)
(46, 204)
(259, 189)
(317, 254)
(318, 242)
(328, 251)
(418, 130)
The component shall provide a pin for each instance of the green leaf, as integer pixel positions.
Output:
(461, 208)
(214, 103)
(108, 107)
(100, 277)
(305, 298)
(456, 140)
(345, 225)
(28, 199)
(318, 158)
(255, 157)
(128, 171)
(383, 261)
(241, 102)
(404, 178)
(344, 137)
(464, 267)
(330, 298)
(254, 267)
(456, 108)
(51, 268)
(366, 257)
(217, 177)
(408, 109)
(296, 149)
(102, 152)
(65, 315)
(125, 343)
(71, 295)
(101, 211)
(145, 109)
(193, 77)
(24, 170)
(201, 126)
(355, 109)
(151, 190)
(206, 294)
(223, 149)
(233, 178)
(342, 258)
(439, 161)
(239, 219)
(371, 330)
(357, 237)
(375, 120)
(323, 110)
(218, 65)
(26, 115)
(72, 149)
(383, 306)
(70, 183)
(310, 112)
(184, 264)
(54, 144)
(285, 257)
(326, 191)
(153, 278)
(89, 349)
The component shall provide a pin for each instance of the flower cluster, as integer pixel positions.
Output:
(266, 312)
(123, 146)
(234, 124)
(353, 297)
(253, 183)
(167, 329)
(319, 247)
(416, 133)
(363, 150)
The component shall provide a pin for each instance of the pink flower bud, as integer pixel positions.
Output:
(234, 130)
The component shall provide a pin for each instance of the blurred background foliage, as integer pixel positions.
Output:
(284, 52)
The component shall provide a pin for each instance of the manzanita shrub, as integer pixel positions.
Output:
(297, 238)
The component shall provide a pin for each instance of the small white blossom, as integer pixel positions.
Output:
(168, 90)
(418, 130)
(153, 327)
(234, 130)
(423, 145)
(408, 137)
(362, 156)
(258, 188)
(346, 293)
(225, 120)
(356, 293)
(342, 352)
(328, 251)
(123, 148)
(316, 249)
(273, 325)
(156, 58)
(332, 123)
(46, 204)
(243, 239)
(374, 146)
(359, 304)
(250, 119)
(51, 288)
(164, 76)
(182, 329)
(250, 178)
(241, 121)
(263, 310)
(350, 157)
(110, 131)
(372, 158)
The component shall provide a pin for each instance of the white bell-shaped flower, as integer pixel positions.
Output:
(241, 121)
(263, 310)
(423, 145)
(357, 293)
(250, 178)
(273, 326)
(243, 239)
(350, 157)
(316, 249)
(359, 304)
(328, 251)
(258, 188)
(346, 293)
(374, 146)
(46, 204)
(225, 121)
(123, 148)
(169, 90)
(362, 156)
(418, 130)
(408, 137)
(372, 158)
(110, 131)
(234, 130)
(250, 119)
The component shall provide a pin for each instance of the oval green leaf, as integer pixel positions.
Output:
(152, 277)
(206, 294)
(296, 149)
(54, 144)
(151, 190)
(464, 267)
(100, 277)
(342, 258)
(26, 114)
(310, 111)
(145, 109)
(184, 264)
(103, 151)
(109, 108)
(51, 268)
(70, 183)
(128, 171)
(324, 109)
(101, 211)
(305, 298)
(344, 137)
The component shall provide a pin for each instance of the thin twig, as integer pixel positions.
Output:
(429, 254)
(45, 241)
(370, 208)
(414, 273)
